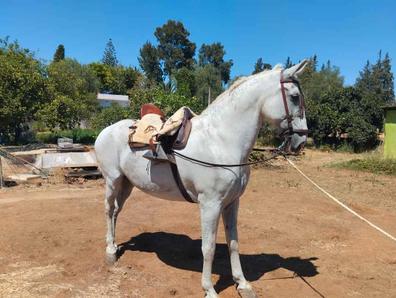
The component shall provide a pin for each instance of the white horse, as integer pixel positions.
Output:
(224, 134)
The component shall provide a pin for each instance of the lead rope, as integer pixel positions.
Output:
(340, 203)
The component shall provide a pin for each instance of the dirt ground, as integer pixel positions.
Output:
(294, 241)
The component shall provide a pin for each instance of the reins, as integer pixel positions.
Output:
(277, 152)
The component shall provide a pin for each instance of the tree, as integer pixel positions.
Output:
(23, 90)
(116, 80)
(62, 112)
(59, 53)
(314, 62)
(174, 47)
(259, 66)
(74, 89)
(150, 63)
(214, 54)
(316, 83)
(387, 79)
(288, 63)
(70, 78)
(109, 54)
(208, 82)
(184, 82)
(375, 85)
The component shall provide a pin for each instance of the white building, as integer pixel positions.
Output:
(105, 100)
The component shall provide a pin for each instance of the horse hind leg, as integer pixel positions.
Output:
(117, 191)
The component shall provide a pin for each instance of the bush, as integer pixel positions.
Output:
(81, 136)
(167, 101)
(110, 115)
(362, 135)
(268, 136)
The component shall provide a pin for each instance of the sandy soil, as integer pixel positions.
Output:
(294, 241)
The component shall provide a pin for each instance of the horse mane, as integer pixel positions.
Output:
(240, 81)
(237, 83)
(243, 79)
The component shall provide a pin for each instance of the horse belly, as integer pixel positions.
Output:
(151, 177)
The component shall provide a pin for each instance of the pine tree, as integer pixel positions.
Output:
(288, 63)
(259, 66)
(59, 53)
(109, 55)
(314, 62)
(377, 79)
(375, 86)
(387, 79)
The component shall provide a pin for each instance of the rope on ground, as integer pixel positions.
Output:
(340, 203)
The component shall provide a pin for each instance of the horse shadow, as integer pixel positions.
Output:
(182, 252)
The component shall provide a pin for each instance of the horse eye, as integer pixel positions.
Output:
(295, 98)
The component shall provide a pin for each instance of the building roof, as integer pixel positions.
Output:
(112, 97)
(391, 107)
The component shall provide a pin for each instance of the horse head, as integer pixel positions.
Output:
(284, 107)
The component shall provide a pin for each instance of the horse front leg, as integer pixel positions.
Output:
(230, 216)
(210, 214)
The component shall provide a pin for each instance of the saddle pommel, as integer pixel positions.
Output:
(150, 108)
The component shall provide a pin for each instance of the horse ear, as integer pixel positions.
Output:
(295, 70)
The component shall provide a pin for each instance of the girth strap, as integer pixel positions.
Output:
(179, 182)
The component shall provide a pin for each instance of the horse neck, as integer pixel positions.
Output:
(234, 120)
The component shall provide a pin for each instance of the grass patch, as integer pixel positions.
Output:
(375, 165)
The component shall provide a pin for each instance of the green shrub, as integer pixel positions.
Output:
(79, 135)
(110, 115)
(167, 101)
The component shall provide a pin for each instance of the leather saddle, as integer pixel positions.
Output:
(159, 135)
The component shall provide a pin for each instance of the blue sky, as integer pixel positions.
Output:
(347, 32)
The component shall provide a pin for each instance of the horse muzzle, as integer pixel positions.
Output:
(297, 142)
(294, 144)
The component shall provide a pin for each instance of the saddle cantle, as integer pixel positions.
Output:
(159, 135)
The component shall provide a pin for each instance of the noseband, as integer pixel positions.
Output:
(290, 130)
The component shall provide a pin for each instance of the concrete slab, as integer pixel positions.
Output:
(66, 160)
(24, 178)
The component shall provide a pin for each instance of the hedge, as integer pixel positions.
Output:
(81, 136)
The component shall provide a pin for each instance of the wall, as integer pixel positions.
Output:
(390, 134)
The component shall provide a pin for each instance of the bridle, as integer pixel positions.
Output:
(283, 149)
(290, 130)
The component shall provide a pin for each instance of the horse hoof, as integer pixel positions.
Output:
(111, 258)
(211, 294)
(247, 293)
